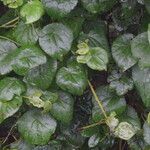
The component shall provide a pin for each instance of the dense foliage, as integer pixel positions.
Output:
(74, 74)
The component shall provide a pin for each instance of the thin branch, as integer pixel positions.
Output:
(9, 133)
(8, 23)
(98, 100)
(3, 37)
(92, 125)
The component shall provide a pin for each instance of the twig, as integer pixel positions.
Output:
(3, 37)
(98, 100)
(92, 125)
(9, 133)
(8, 23)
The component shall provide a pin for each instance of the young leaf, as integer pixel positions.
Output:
(42, 75)
(125, 131)
(13, 3)
(25, 34)
(96, 36)
(58, 9)
(56, 40)
(62, 109)
(111, 103)
(140, 48)
(36, 127)
(98, 60)
(10, 87)
(72, 78)
(32, 11)
(121, 51)
(9, 108)
(131, 117)
(142, 82)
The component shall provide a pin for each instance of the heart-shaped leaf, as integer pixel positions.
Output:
(10, 87)
(62, 109)
(121, 51)
(56, 40)
(141, 80)
(42, 75)
(9, 108)
(58, 9)
(36, 127)
(27, 57)
(6, 47)
(72, 78)
(21, 59)
(141, 49)
(25, 34)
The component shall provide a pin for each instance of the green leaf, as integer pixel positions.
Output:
(42, 75)
(56, 40)
(21, 145)
(6, 47)
(149, 33)
(125, 131)
(10, 87)
(57, 9)
(13, 3)
(21, 59)
(32, 11)
(75, 24)
(96, 37)
(90, 131)
(62, 109)
(52, 145)
(137, 142)
(98, 60)
(110, 101)
(147, 5)
(142, 82)
(36, 127)
(120, 83)
(72, 78)
(121, 51)
(140, 48)
(146, 133)
(25, 34)
(93, 141)
(98, 6)
(131, 117)
(27, 57)
(9, 108)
